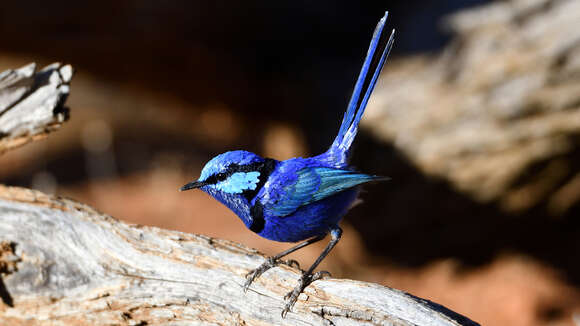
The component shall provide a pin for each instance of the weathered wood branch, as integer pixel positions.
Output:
(32, 103)
(502, 99)
(65, 263)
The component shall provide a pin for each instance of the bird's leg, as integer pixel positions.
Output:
(307, 277)
(275, 260)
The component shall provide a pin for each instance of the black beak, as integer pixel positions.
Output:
(193, 185)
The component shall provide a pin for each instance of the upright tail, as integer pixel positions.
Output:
(377, 54)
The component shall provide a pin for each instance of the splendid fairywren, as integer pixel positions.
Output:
(300, 198)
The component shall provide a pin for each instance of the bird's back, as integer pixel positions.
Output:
(304, 197)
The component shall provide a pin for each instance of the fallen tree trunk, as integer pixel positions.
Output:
(63, 263)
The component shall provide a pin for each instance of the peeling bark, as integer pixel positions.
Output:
(32, 103)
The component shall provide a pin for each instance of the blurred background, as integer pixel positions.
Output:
(476, 119)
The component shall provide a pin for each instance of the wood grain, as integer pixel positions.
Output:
(32, 103)
(72, 265)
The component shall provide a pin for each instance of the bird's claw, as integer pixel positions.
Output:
(292, 296)
(269, 263)
(250, 277)
(292, 263)
(305, 280)
(320, 275)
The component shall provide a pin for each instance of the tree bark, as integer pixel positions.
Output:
(496, 113)
(63, 263)
(32, 103)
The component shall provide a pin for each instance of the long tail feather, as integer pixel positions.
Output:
(375, 60)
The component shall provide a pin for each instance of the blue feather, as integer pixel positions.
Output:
(238, 182)
(314, 184)
(365, 84)
(336, 180)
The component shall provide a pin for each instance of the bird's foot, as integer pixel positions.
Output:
(303, 282)
(269, 263)
(291, 263)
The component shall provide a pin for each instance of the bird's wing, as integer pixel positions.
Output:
(312, 184)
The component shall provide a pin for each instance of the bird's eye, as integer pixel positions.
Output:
(221, 176)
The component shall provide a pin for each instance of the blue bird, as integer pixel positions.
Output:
(300, 198)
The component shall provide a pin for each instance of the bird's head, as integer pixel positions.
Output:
(233, 173)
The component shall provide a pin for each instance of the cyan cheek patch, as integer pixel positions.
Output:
(238, 182)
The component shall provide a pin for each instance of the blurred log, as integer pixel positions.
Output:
(63, 263)
(32, 103)
(497, 112)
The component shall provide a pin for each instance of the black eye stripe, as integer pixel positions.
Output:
(264, 168)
